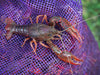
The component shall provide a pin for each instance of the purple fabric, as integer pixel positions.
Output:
(15, 59)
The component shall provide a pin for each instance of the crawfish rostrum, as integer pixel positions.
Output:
(40, 32)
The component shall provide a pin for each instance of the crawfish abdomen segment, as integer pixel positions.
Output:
(24, 30)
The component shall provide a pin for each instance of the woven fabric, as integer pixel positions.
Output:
(18, 60)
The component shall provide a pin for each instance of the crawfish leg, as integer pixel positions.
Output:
(44, 18)
(37, 18)
(43, 44)
(35, 45)
(55, 38)
(59, 37)
(29, 18)
(24, 41)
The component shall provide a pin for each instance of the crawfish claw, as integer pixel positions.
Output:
(71, 58)
(68, 57)
(77, 59)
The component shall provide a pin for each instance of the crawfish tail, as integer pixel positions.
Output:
(10, 23)
(12, 27)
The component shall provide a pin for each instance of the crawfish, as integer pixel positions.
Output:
(38, 32)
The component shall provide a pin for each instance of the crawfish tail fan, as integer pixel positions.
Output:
(18, 60)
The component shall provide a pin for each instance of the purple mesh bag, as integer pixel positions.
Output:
(17, 60)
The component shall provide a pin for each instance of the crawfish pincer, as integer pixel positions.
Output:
(64, 55)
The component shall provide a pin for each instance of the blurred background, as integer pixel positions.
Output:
(91, 8)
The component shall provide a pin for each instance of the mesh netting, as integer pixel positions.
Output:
(15, 59)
